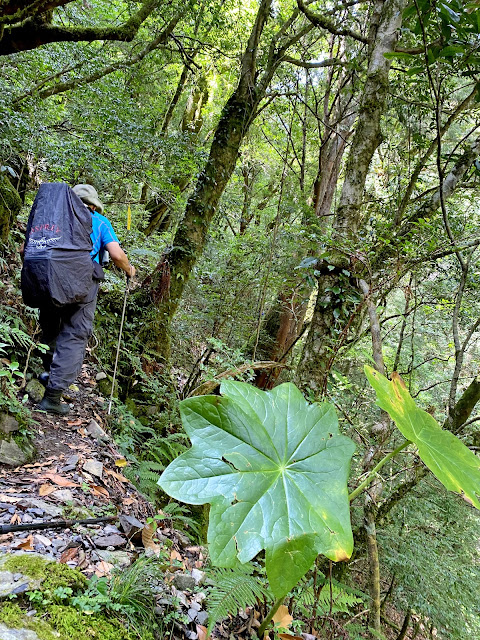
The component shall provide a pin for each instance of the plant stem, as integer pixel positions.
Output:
(271, 613)
(374, 471)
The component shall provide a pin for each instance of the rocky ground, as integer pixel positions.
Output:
(76, 475)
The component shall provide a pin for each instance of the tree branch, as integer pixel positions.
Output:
(32, 33)
(325, 23)
(15, 12)
(423, 160)
(449, 184)
(331, 62)
(76, 82)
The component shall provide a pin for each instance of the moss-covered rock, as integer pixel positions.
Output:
(64, 623)
(51, 574)
(14, 618)
(29, 564)
(35, 390)
(105, 387)
(11, 453)
(55, 621)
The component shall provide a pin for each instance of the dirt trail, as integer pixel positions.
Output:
(76, 474)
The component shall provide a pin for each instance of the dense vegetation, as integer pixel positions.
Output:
(302, 180)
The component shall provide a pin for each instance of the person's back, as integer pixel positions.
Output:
(56, 257)
(67, 327)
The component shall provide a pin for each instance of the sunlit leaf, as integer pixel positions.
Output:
(274, 469)
(457, 468)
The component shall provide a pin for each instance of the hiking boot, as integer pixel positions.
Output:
(43, 378)
(52, 402)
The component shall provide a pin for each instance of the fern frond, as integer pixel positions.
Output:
(144, 475)
(14, 336)
(342, 598)
(166, 448)
(21, 338)
(232, 590)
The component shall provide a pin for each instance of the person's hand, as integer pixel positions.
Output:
(133, 271)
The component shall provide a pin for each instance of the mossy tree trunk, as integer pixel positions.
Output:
(10, 205)
(235, 120)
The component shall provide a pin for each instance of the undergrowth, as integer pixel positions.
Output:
(116, 606)
(147, 451)
(231, 590)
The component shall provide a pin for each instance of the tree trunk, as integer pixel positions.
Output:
(191, 235)
(374, 571)
(284, 321)
(280, 329)
(160, 219)
(335, 312)
(10, 205)
(406, 623)
(178, 92)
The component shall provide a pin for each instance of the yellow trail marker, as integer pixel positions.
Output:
(129, 218)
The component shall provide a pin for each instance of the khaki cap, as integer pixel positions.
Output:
(89, 195)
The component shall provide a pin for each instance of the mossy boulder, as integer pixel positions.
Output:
(64, 623)
(15, 451)
(104, 386)
(8, 424)
(46, 574)
(56, 621)
(35, 390)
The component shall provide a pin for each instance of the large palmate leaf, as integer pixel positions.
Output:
(457, 468)
(274, 469)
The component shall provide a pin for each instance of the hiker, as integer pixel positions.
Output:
(66, 328)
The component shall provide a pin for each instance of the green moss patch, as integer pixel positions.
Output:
(14, 618)
(71, 623)
(60, 621)
(52, 574)
(65, 623)
(59, 575)
(29, 565)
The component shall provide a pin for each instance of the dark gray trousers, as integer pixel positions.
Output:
(66, 330)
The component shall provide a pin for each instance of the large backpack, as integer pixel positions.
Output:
(57, 266)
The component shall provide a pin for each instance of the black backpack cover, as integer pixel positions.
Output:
(57, 266)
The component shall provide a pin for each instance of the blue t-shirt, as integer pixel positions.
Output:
(102, 234)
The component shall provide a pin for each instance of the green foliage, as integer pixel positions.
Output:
(147, 450)
(274, 469)
(233, 589)
(177, 516)
(428, 544)
(64, 605)
(128, 594)
(330, 596)
(123, 113)
(144, 475)
(16, 343)
(457, 468)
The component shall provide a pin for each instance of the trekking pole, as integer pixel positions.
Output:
(118, 345)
